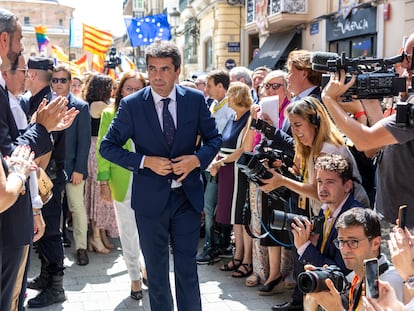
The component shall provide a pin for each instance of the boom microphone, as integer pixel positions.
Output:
(320, 60)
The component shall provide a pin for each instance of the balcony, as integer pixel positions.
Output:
(281, 14)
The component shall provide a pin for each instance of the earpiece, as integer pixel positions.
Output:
(313, 118)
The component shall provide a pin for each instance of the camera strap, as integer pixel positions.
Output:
(247, 214)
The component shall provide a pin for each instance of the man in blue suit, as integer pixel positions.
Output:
(334, 182)
(167, 190)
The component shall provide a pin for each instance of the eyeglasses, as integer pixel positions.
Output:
(61, 80)
(131, 89)
(199, 83)
(353, 244)
(274, 86)
(22, 69)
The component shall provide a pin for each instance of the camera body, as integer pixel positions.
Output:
(112, 59)
(251, 164)
(375, 77)
(314, 281)
(405, 112)
(280, 220)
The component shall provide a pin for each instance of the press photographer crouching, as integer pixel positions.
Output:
(314, 239)
(359, 240)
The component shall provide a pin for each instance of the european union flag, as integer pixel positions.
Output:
(144, 30)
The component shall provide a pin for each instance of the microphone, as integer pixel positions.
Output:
(320, 60)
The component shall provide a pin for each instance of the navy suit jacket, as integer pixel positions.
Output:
(16, 227)
(137, 119)
(78, 138)
(331, 255)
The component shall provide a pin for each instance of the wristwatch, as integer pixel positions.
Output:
(409, 282)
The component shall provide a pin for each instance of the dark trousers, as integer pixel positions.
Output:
(50, 246)
(11, 258)
(180, 223)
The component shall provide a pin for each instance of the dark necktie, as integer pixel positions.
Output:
(167, 122)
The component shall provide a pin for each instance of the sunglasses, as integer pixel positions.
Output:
(274, 86)
(62, 80)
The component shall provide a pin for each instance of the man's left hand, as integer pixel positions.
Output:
(183, 165)
(76, 178)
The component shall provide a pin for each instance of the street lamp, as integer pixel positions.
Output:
(174, 19)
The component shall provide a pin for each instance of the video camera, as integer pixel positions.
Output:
(280, 220)
(314, 281)
(375, 77)
(263, 127)
(112, 59)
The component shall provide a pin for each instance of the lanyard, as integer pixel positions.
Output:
(214, 107)
(356, 299)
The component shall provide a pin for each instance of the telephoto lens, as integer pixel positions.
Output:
(280, 220)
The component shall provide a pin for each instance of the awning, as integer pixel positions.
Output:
(272, 50)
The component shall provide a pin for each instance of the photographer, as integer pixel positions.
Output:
(359, 238)
(394, 180)
(334, 183)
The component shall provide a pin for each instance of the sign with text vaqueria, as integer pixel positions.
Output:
(359, 22)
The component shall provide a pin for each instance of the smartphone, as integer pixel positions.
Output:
(371, 277)
(402, 215)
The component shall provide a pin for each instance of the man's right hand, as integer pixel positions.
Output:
(55, 115)
(161, 166)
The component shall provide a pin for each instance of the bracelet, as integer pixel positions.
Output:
(104, 182)
(22, 179)
(359, 114)
(37, 213)
(222, 163)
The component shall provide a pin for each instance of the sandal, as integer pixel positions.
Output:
(248, 269)
(252, 280)
(235, 264)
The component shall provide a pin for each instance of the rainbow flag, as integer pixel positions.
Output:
(96, 41)
(42, 39)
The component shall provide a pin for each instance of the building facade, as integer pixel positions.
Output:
(49, 13)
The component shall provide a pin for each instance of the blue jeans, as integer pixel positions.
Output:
(210, 202)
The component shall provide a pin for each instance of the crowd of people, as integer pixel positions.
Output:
(262, 158)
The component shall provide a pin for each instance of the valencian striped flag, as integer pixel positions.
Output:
(95, 40)
(144, 30)
(58, 53)
(42, 39)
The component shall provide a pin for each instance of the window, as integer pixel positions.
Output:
(26, 20)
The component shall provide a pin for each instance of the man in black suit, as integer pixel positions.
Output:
(16, 224)
(78, 141)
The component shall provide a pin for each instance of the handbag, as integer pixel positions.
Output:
(45, 186)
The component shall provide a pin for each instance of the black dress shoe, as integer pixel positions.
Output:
(82, 256)
(288, 306)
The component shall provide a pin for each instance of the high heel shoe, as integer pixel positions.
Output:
(105, 240)
(273, 287)
(97, 246)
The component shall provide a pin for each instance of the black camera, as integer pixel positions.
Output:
(112, 59)
(375, 77)
(405, 114)
(251, 164)
(263, 127)
(314, 281)
(280, 220)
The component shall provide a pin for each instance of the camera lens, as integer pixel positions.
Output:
(307, 282)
